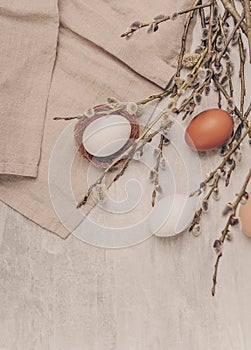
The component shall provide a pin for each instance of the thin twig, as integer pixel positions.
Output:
(230, 37)
(216, 266)
(219, 100)
(156, 168)
(210, 31)
(199, 89)
(248, 21)
(69, 118)
(199, 211)
(242, 73)
(247, 111)
(228, 64)
(226, 95)
(231, 9)
(202, 17)
(225, 231)
(156, 96)
(231, 87)
(224, 161)
(130, 31)
(186, 84)
(184, 38)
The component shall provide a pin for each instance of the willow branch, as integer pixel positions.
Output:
(216, 266)
(230, 37)
(130, 31)
(212, 174)
(184, 38)
(211, 18)
(186, 84)
(225, 231)
(199, 89)
(156, 168)
(69, 118)
(247, 111)
(226, 95)
(202, 18)
(199, 211)
(242, 73)
(155, 97)
(231, 9)
(145, 132)
(248, 21)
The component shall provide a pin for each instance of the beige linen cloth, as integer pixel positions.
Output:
(58, 58)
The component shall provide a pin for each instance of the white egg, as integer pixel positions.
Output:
(107, 135)
(172, 215)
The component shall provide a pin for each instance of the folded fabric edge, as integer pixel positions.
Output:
(25, 170)
(23, 161)
(52, 225)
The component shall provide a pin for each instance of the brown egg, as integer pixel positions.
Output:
(245, 217)
(209, 129)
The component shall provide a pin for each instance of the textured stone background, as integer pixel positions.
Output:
(67, 295)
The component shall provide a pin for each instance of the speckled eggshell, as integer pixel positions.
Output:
(245, 217)
(209, 129)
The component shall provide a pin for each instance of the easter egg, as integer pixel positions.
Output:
(245, 217)
(106, 135)
(172, 215)
(103, 137)
(209, 129)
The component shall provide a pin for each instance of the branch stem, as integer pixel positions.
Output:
(184, 38)
(248, 21)
(225, 231)
(234, 13)
(165, 18)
